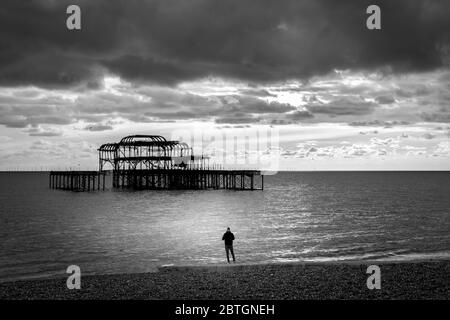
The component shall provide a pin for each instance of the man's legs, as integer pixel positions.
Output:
(227, 248)
(232, 253)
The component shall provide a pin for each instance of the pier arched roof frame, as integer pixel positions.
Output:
(108, 147)
(142, 138)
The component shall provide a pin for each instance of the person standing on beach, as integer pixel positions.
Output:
(228, 237)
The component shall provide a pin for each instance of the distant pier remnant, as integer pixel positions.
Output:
(152, 162)
(77, 180)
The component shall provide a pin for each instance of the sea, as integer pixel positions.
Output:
(298, 217)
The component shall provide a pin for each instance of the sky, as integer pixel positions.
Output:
(280, 85)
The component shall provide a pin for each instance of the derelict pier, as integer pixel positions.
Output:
(152, 162)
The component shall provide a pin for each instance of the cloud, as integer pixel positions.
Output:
(234, 63)
(5, 139)
(428, 136)
(391, 142)
(287, 153)
(371, 148)
(150, 69)
(98, 127)
(22, 114)
(300, 115)
(368, 132)
(385, 99)
(378, 123)
(257, 93)
(342, 107)
(436, 117)
(43, 132)
(168, 42)
(237, 118)
(122, 100)
(442, 149)
(251, 104)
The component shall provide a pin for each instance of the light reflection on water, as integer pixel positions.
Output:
(298, 217)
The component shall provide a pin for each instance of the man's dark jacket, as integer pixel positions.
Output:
(228, 237)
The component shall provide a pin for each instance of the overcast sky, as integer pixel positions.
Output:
(339, 96)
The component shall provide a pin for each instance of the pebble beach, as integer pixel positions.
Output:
(287, 281)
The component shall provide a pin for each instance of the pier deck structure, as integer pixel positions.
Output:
(77, 180)
(152, 162)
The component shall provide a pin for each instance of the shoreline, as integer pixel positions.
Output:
(425, 279)
(213, 266)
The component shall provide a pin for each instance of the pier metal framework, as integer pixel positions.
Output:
(77, 180)
(149, 152)
(152, 162)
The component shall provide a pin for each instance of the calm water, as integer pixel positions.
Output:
(298, 217)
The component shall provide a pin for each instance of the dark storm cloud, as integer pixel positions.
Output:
(250, 104)
(149, 68)
(237, 117)
(168, 41)
(343, 107)
(385, 99)
(436, 117)
(140, 104)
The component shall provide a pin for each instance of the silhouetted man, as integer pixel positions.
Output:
(228, 237)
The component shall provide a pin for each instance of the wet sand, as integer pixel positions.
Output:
(399, 280)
